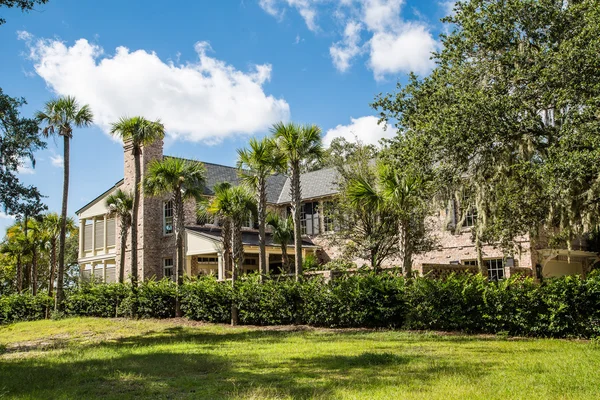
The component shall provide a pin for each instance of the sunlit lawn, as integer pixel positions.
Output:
(86, 358)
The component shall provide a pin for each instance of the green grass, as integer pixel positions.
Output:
(84, 358)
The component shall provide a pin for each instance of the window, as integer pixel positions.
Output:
(309, 218)
(470, 217)
(168, 268)
(168, 217)
(328, 224)
(250, 261)
(207, 260)
(495, 269)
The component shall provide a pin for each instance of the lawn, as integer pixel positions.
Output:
(115, 359)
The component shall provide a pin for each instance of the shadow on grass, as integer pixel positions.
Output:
(137, 366)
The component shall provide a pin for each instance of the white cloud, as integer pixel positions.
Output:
(25, 167)
(344, 51)
(447, 7)
(364, 129)
(393, 44)
(205, 100)
(408, 49)
(57, 161)
(3, 215)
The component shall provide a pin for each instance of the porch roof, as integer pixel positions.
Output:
(249, 237)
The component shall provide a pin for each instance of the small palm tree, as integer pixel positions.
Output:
(51, 225)
(236, 204)
(298, 144)
(17, 245)
(215, 208)
(60, 117)
(398, 194)
(282, 230)
(256, 163)
(140, 132)
(121, 204)
(182, 180)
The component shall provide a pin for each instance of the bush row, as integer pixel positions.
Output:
(563, 307)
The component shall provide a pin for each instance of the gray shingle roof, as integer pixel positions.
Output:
(320, 183)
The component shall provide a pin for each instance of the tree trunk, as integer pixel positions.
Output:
(285, 259)
(405, 250)
(124, 230)
(480, 264)
(238, 261)
(296, 197)
(262, 205)
(52, 266)
(19, 274)
(226, 234)
(60, 295)
(34, 271)
(179, 259)
(134, 227)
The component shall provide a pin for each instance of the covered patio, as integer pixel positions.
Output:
(204, 252)
(560, 262)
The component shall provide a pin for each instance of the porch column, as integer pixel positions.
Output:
(267, 260)
(81, 236)
(321, 216)
(105, 235)
(94, 236)
(220, 267)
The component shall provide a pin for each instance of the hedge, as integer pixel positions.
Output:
(560, 307)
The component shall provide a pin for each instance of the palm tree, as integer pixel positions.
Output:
(237, 204)
(214, 208)
(142, 133)
(51, 225)
(17, 244)
(121, 204)
(60, 116)
(256, 164)
(396, 194)
(298, 144)
(282, 230)
(182, 180)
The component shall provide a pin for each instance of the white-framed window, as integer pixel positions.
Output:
(168, 217)
(309, 218)
(470, 217)
(328, 222)
(207, 260)
(169, 271)
(495, 266)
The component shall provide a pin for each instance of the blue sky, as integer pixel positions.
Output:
(215, 72)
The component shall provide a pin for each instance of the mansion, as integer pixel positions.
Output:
(99, 245)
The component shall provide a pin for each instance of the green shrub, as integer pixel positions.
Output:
(98, 299)
(206, 299)
(24, 307)
(156, 299)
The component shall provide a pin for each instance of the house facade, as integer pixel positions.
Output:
(99, 245)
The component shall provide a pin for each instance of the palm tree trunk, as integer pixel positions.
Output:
(262, 205)
(134, 228)
(58, 305)
(34, 271)
(405, 251)
(238, 261)
(226, 233)
(179, 260)
(124, 229)
(285, 258)
(52, 266)
(19, 274)
(296, 196)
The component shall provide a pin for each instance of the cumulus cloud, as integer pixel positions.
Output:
(204, 100)
(25, 167)
(393, 44)
(57, 161)
(345, 50)
(363, 129)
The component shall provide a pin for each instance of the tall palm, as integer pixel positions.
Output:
(282, 230)
(298, 144)
(60, 117)
(216, 208)
(237, 204)
(256, 163)
(51, 225)
(140, 132)
(120, 203)
(398, 194)
(182, 180)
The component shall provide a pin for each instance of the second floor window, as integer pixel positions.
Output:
(470, 217)
(309, 218)
(168, 217)
(168, 268)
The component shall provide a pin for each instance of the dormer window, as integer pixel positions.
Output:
(168, 217)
